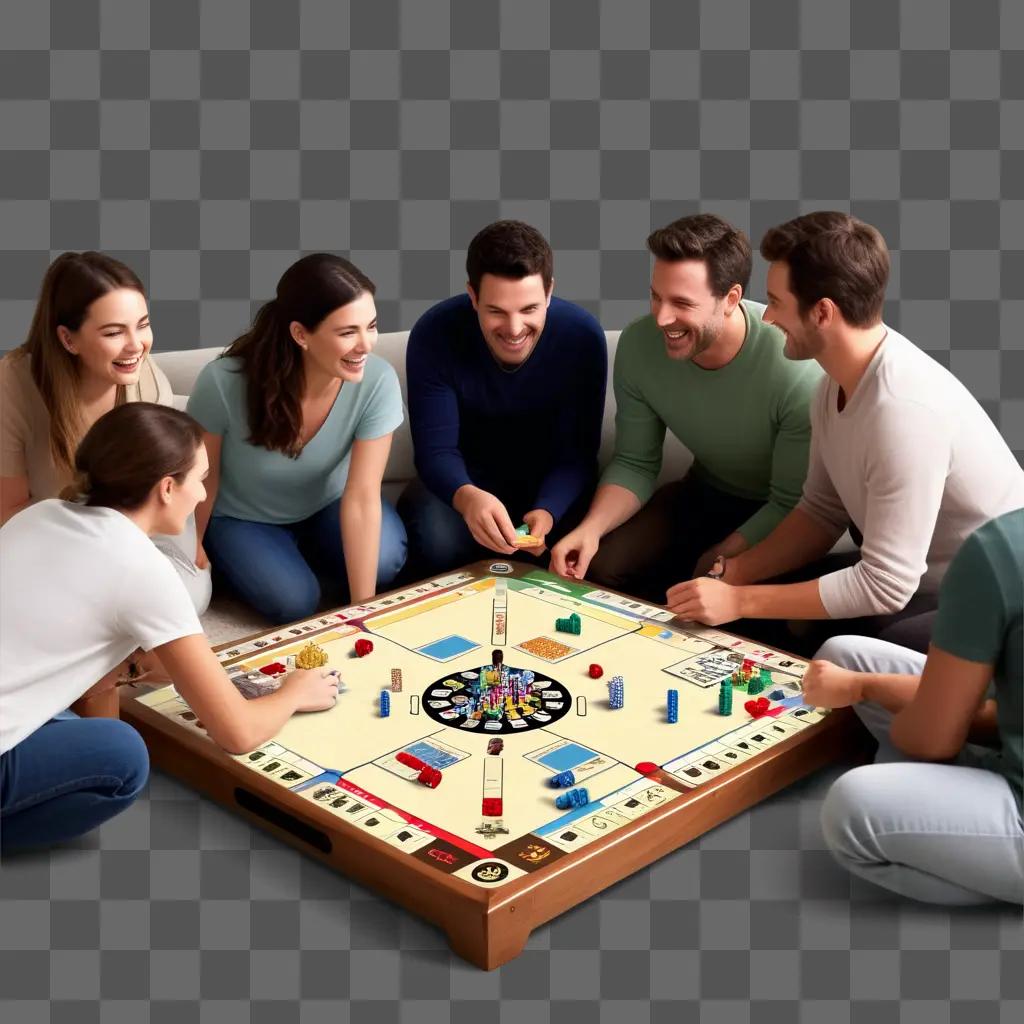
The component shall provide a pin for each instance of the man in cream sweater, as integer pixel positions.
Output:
(901, 454)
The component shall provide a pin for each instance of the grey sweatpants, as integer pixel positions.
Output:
(946, 833)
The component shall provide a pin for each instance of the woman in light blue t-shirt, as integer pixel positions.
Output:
(298, 417)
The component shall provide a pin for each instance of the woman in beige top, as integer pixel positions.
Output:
(87, 351)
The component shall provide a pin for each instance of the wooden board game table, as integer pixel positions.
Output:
(486, 854)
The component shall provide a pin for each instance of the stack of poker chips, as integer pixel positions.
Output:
(616, 693)
(673, 706)
(725, 697)
(385, 703)
(561, 780)
(574, 798)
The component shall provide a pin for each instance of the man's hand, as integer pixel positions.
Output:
(828, 686)
(710, 602)
(540, 522)
(572, 555)
(705, 562)
(487, 519)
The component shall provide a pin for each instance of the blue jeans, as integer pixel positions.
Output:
(68, 777)
(439, 539)
(948, 833)
(274, 568)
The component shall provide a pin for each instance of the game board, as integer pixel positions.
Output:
(487, 854)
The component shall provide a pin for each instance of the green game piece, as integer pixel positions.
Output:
(725, 697)
(755, 686)
(572, 624)
(523, 531)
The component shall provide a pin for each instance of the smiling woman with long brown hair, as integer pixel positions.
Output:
(87, 351)
(298, 416)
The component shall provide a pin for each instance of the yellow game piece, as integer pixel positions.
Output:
(526, 540)
(311, 656)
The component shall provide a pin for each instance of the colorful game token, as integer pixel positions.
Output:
(495, 745)
(311, 656)
(725, 697)
(561, 780)
(574, 798)
(646, 767)
(385, 704)
(570, 624)
(595, 671)
(672, 702)
(396, 680)
(524, 539)
(757, 708)
(616, 693)
(363, 647)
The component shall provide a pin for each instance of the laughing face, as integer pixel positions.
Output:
(803, 339)
(512, 315)
(114, 337)
(690, 317)
(339, 345)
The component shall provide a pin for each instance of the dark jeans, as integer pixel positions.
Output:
(660, 545)
(275, 568)
(439, 539)
(68, 777)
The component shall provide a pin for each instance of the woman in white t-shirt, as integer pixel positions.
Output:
(82, 588)
(87, 351)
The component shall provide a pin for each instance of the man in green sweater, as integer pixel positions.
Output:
(705, 366)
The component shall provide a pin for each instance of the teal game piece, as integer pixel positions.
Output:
(572, 624)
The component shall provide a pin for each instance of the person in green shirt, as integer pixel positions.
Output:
(705, 366)
(947, 832)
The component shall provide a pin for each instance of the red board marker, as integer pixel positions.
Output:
(595, 671)
(363, 647)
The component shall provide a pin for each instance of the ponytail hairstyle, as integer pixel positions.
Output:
(309, 290)
(73, 282)
(129, 450)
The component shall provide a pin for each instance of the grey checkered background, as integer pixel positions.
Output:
(210, 145)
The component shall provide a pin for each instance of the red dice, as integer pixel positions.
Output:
(595, 671)
(363, 647)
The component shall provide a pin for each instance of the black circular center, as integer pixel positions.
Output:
(496, 700)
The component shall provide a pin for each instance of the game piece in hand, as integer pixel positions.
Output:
(595, 671)
(524, 539)
(311, 656)
(363, 647)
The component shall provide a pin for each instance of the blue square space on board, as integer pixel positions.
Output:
(565, 758)
(447, 648)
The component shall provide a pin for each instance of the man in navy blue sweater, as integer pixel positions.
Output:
(506, 393)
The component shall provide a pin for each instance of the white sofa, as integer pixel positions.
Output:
(227, 619)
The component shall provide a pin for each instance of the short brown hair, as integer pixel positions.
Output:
(832, 255)
(129, 450)
(509, 248)
(703, 236)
